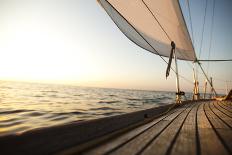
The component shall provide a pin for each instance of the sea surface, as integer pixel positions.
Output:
(25, 106)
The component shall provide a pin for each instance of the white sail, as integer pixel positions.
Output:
(152, 25)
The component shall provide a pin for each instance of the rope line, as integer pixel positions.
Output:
(157, 20)
(161, 26)
(202, 37)
(192, 35)
(203, 29)
(171, 40)
(181, 76)
(190, 18)
(142, 37)
(150, 44)
(211, 35)
(207, 78)
(167, 37)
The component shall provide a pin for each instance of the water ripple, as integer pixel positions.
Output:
(108, 102)
(14, 111)
(103, 108)
(24, 106)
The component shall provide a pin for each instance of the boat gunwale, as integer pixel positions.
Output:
(83, 134)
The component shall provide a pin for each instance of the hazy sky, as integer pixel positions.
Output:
(75, 42)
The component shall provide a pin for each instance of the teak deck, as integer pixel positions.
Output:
(202, 127)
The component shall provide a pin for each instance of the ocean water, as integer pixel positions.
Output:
(25, 106)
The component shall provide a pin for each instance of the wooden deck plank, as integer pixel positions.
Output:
(163, 143)
(209, 142)
(177, 134)
(223, 116)
(225, 106)
(172, 116)
(227, 103)
(222, 109)
(62, 137)
(186, 142)
(214, 119)
(124, 138)
(226, 137)
(136, 145)
(203, 127)
(223, 131)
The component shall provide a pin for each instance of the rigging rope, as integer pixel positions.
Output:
(192, 35)
(203, 29)
(184, 78)
(201, 43)
(180, 53)
(207, 78)
(163, 29)
(211, 34)
(169, 40)
(190, 18)
(148, 41)
(142, 36)
(160, 24)
(157, 20)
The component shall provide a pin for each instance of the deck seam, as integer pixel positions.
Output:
(168, 152)
(143, 148)
(223, 103)
(224, 108)
(220, 118)
(198, 144)
(216, 132)
(221, 111)
(226, 105)
(119, 146)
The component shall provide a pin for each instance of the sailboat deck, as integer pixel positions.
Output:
(202, 127)
(199, 128)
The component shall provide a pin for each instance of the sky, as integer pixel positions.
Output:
(75, 42)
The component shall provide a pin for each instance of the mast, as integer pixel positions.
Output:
(178, 93)
(205, 88)
(196, 84)
(139, 22)
(211, 81)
